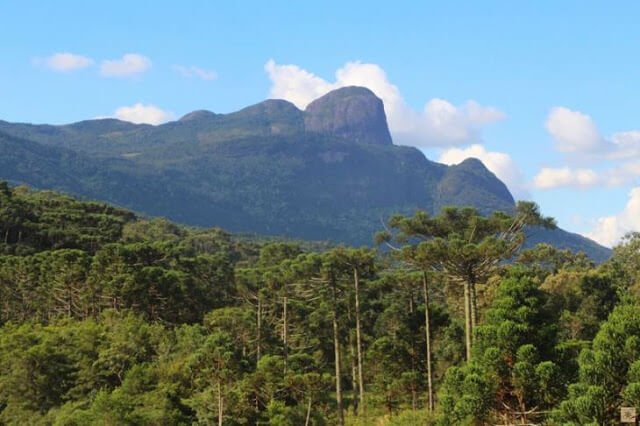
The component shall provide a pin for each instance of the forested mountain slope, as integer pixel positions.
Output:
(330, 172)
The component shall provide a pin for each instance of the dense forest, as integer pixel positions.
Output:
(110, 318)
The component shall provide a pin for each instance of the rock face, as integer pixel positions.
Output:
(354, 113)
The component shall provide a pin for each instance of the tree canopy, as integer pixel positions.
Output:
(110, 318)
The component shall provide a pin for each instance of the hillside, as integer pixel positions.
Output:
(330, 172)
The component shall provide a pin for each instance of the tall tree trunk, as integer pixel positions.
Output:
(354, 371)
(220, 403)
(285, 333)
(474, 308)
(414, 394)
(359, 340)
(523, 410)
(427, 331)
(308, 419)
(259, 331)
(69, 303)
(467, 319)
(336, 348)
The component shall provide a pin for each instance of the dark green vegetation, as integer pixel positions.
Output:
(328, 173)
(106, 318)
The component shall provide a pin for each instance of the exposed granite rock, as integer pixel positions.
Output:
(354, 113)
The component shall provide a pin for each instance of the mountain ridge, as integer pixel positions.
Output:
(328, 172)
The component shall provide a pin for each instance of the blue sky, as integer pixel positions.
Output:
(553, 85)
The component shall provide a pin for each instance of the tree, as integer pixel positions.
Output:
(390, 380)
(213, 368)
(551, 260)
(330, 276)
(609, 371)
(625, 262)
(464, 245)
(66, 271)
(360, 263)
(513, 373)
(427, 331)
(401, 319)
(582, 300)
(43, 368)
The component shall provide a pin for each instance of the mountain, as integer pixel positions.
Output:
(329, 172)
(354, 113)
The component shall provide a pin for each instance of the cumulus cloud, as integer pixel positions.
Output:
(623, 174)
(194, 71)
(129, 64)
(440, 123)
(549, 178)
(610, 229)
(573, 131)
(625, 145)
(577, 135)
(566, 177)
(143, 114)
(501, 164)
(63, 62)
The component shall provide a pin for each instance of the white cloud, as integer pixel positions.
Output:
(577, 135)
(439, 124)
(549, 178)
(501, 164)
(573, 131)
(194, 71)
(623, 174)
(295, 84)
(610, 229)
(566, 177)
(481, 114)
(625, 145)
(140, 113)
(129, 64)
(63, 62)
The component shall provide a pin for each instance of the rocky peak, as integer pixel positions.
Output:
(197, 115)
(354, 113)
(473, 164)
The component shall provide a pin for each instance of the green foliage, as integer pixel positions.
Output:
(63, 365)
(609, 371)
(133, 321)
(548, 259)
(150, 278)
(583, 300)
(36, 221)
(514, 369)
(625, 263)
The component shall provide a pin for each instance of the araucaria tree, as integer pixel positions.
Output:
(463, 245)
(609, 371)
(358, 263)
(513, 374)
